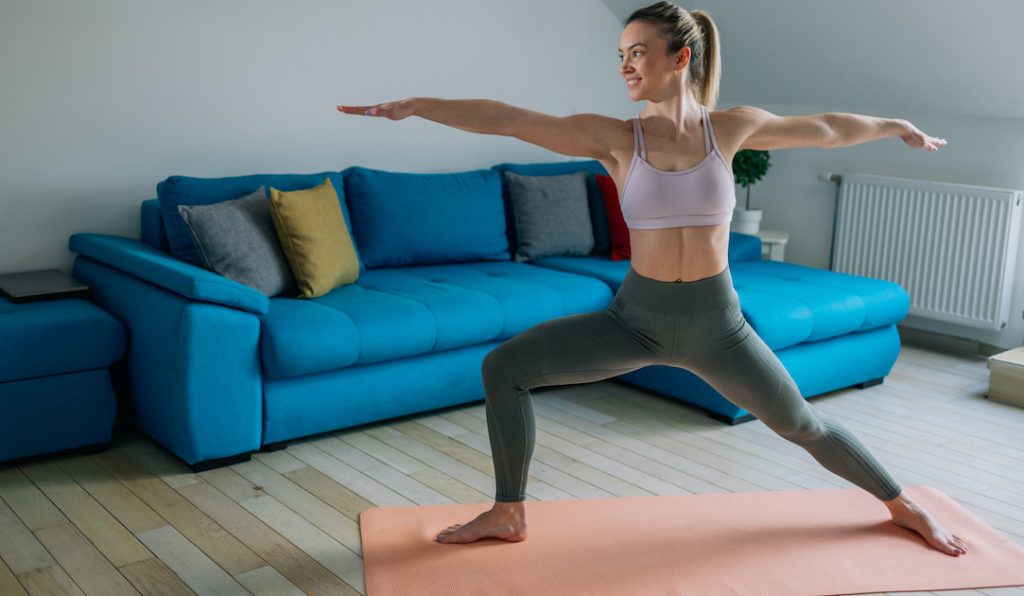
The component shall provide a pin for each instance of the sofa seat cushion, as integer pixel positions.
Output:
(398, 312)
(600, 267)
(53, 337)
(789, 304)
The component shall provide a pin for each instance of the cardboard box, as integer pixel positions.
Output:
(1006, 377)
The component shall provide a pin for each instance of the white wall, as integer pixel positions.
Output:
(101, 100)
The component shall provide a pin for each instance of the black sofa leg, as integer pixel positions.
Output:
(748, 417)
(870, 383)
(732, 421)
(209, 464)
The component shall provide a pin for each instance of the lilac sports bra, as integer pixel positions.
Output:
(703, 195)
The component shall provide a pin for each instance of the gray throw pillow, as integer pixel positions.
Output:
(552, 216)
(237, 239)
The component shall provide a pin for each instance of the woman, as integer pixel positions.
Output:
(677, 305)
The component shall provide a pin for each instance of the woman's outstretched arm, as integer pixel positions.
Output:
(766, 131)
(581, 135)
(854, 129)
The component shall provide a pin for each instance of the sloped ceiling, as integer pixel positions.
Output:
(936, 56)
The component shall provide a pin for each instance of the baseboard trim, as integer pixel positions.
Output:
(949, 344)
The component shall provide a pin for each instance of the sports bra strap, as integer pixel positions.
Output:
(638, 138)
(707, 129)
(638, 135)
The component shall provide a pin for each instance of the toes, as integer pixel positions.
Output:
(444, 535)
(959, 543)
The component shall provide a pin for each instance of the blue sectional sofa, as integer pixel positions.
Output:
(216, 370)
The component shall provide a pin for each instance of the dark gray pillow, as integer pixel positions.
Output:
(237, 239)
(552, 216)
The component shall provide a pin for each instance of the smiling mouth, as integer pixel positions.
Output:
(632, 83)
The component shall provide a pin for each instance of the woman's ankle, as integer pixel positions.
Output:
(515, 508)
(901, 503)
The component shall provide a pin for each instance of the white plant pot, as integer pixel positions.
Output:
(746, 221)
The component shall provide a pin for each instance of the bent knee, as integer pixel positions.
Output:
(492, 362)
(509, 365)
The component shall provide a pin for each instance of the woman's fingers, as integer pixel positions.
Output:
(395, 110)
(362, 110)
(918, 138)
(380, 109)
(935, 143)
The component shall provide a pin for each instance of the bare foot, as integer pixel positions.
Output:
(506, 521)
(907, 514)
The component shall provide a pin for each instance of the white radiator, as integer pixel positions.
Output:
(952, 247)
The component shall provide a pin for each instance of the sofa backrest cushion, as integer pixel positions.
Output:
(402, 219)
(187, 190)
(621, 248)
(237, 239)
(595, 202)
(151, 226)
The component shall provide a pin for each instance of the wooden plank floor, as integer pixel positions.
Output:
(134, 519)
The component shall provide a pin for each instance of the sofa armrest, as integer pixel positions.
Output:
(192, 377)
(145, 262)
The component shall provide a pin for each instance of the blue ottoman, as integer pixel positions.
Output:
(55, 387)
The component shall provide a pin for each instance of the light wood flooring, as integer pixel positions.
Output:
(134, 519)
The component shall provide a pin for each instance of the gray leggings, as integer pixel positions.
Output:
(696, 325)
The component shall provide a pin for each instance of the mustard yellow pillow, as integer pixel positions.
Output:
(314, 238)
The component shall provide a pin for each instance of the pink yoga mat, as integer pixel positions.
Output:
(837, 541)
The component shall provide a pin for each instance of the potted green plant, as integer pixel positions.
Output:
(748, 166)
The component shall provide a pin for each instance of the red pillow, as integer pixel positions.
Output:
(616, 224)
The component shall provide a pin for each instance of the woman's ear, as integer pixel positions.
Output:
(685, 55)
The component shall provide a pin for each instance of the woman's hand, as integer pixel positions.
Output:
(395, 110)
(915, 138)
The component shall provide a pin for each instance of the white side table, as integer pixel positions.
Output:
(773, 244)
(1006, 380)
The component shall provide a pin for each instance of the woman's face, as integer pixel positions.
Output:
(644, 64)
